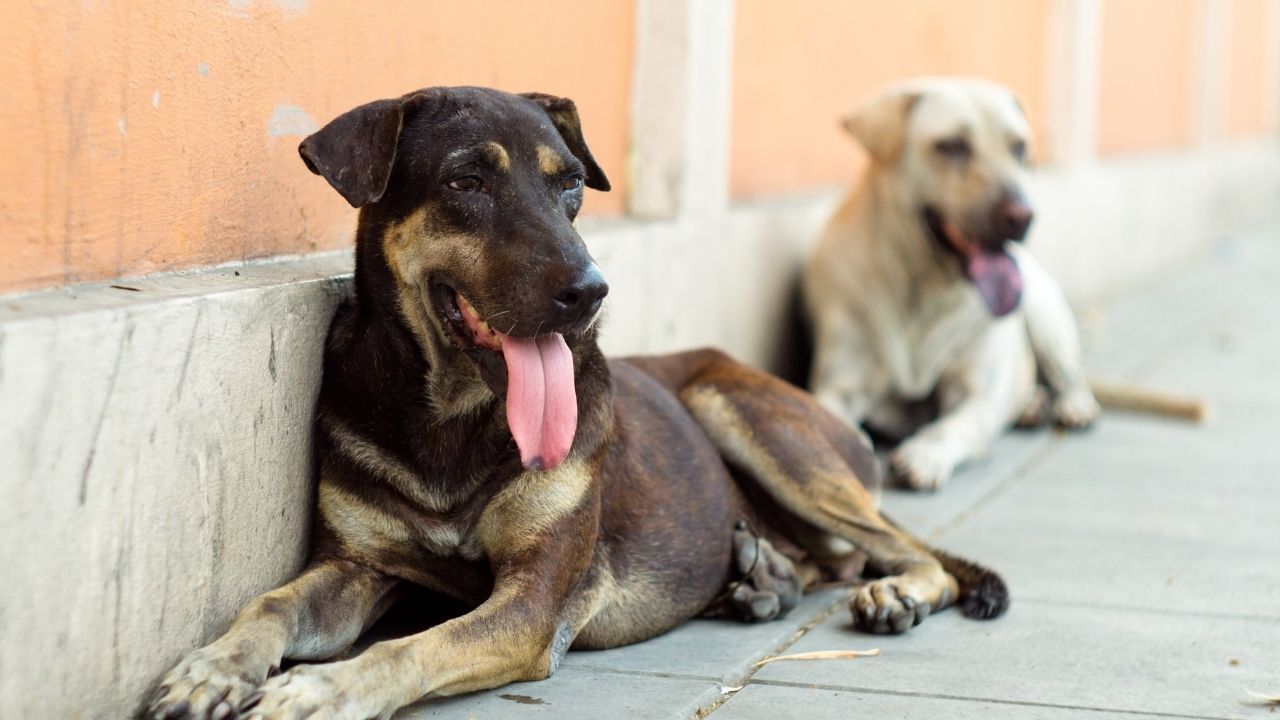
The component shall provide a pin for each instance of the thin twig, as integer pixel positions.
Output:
(822, 655)
(1262, 698)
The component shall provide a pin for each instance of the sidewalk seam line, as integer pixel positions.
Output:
(726, 693)
(1248, 617)
(1041, 454)
(963, 698)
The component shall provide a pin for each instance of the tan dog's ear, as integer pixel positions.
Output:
(564, 115)
(880, 123)
(356, 150)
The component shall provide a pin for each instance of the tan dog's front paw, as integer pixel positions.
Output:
(1075, 409)
(1036, 413)
(886, 606)
(921, 465)
(208, 683)
(307, 692)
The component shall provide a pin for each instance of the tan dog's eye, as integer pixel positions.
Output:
(469, 183)
(571, 183)
(1019, 150)
(956, 148)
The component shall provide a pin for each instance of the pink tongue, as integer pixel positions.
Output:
(998, 280)
(542, 407)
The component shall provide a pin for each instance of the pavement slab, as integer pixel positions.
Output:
(1068, 656)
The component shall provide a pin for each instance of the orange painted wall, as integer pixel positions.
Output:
(1252, 83)
(799, 65)
(151, 135)
(1148, 80)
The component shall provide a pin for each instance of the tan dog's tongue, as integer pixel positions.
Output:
(998, 280)
(542, 406)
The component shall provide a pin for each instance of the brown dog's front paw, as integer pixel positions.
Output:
(310, 692)
(208, 683)
(883, 607)
(1076, 409)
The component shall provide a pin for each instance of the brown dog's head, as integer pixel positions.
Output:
(956, 153)
(468, 198)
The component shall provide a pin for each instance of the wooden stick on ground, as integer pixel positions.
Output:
(1118, 396)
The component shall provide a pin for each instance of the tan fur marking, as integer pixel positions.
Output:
(618, 612)
(733, 435)
(416, 248)
(363, 528)
(549, 161)
(383, 466)
(513, 520)
(499, 155)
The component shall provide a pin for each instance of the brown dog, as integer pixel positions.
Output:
(473, 440)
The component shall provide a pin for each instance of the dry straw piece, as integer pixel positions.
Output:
(1262, 698)
(821, 655)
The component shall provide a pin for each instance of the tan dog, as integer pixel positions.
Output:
(919, 291)
(473, 440)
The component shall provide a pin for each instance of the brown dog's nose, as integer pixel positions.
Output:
(1013, 218)
(582, 298)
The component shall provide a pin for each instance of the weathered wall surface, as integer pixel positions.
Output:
(145, 136)
(155, 475)
(796, 73)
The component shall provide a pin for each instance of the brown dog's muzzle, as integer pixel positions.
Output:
(581, 299)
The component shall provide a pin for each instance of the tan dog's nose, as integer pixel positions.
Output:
(1013, 217)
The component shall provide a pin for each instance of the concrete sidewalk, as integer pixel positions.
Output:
(1143, 557)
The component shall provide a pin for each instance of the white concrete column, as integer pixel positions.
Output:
(1211, 66)
(680, 111)
(1074, 57)
(1271, 74)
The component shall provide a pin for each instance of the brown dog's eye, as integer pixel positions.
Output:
(1019, 150)
(956, 148)
(470, 183)
(571, 183)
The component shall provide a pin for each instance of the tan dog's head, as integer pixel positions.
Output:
(955, 151)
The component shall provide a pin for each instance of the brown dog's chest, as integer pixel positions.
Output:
(423, 535)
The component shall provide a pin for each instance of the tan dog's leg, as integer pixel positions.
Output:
(984, 393)
(844, 378)
(314, 617)
(802, 457)
(1056, 343)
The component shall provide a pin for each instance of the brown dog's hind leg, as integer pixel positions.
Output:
(313, 617)
(804, 459)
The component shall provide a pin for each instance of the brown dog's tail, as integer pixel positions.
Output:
(983, 594)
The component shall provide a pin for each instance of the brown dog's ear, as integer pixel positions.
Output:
(356, 150)
(564, 115)
(880, 123)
